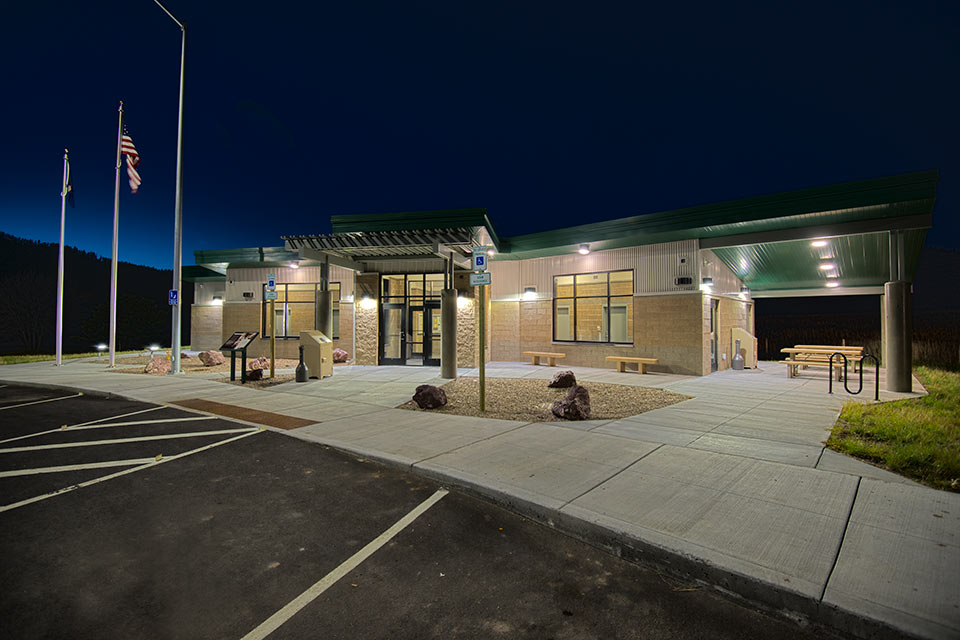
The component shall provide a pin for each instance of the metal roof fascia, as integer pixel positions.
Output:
(197, 273)
(414, 220)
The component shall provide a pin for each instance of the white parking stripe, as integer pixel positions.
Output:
(272, 623)
(24, 404)
(150, 465)
(96, 443)
(104, 426)
(76, 467)
(122, 415)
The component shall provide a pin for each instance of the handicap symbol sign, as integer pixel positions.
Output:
(174, 295)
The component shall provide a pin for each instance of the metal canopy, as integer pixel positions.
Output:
(378, 244)
(859, 261)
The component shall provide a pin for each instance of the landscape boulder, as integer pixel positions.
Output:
(211, 358)
(258, 363)
(339, 355)
(563, 379)
(428, 396)
(574, 406)
(255, 374)
(157, 366)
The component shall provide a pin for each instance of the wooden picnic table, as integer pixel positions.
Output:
(803, 356)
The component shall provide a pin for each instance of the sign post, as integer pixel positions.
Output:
(272, 297)
(480, 278)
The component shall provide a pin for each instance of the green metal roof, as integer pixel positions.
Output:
(218, 260)
(878, 199)
(193, 273)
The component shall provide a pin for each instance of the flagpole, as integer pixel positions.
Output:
(178, 211)
(113, 264)
(63, 220)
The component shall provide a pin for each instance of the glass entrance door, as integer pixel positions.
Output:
(393, 342)
(423, 337)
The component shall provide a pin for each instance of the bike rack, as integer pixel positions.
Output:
(846, 378)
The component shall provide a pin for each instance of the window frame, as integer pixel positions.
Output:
(606, 305)
(265, 335)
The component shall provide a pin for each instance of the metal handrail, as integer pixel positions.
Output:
(846, 378)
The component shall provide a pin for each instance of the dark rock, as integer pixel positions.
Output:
(211, 358)
(563, 379)
(157, 365)
(428, 396)
(255, 374)
(339, 355)
(185, 356)
(575, 406)
(258, 363)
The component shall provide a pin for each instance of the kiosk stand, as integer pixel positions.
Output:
(238, 343)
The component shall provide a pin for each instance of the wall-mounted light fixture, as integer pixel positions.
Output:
(463, 302)
(529, 293)
(294, 265)
(584, 249)
(367, 302)
(818, 243)
(833, 284)
(827, 266)
(706, 283)
(491, 252)
(217, 301)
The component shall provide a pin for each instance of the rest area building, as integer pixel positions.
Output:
(675, 286)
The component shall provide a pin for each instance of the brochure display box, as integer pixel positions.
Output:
(317, 353)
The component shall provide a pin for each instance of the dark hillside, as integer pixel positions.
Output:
(28, 276)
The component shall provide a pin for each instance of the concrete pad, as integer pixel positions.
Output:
(649, 432)
(579, 425)
(777, 523)
(323, 410)
(785, 452)
(679, 420)
(406, 437)
(548, 465)
(900, 560)
(746, 427)
(840, 463)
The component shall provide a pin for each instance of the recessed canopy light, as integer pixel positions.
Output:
(833, 283)
(818, 243)
(491, 252)
(826, 266)
(584, 249)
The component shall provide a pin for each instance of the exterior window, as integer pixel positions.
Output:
(296, 309)
(593, 307)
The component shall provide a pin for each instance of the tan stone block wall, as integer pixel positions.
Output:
(368, 347)
(206, 322)
(468, 331)
(705, 319)
(664, 327)
(505, 331)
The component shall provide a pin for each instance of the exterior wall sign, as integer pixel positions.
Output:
(270, 294)
(480, 279)
(272, 283)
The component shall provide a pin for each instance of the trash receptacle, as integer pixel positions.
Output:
(317, 353)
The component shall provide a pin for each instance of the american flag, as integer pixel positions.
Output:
(133, 159)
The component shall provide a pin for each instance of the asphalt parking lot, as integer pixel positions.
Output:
(210, 528)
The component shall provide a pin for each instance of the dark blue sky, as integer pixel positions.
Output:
(548, 114)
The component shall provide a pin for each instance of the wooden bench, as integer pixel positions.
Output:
(551, 357)
(640, 362)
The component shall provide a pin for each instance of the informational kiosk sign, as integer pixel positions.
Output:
(238, 343)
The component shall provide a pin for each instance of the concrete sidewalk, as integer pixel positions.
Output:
(733, 486)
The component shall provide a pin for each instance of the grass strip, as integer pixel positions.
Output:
(918, 438)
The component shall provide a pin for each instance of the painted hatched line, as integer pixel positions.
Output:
(149, 465)
(95, 443)
(104, 426)
(272, 623)
(122, 415)
(76, 467)
(25, 404)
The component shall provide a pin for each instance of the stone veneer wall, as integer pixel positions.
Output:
(206, 322)
(666, 327)
(468, 338)
(368, 347)
(345, 341)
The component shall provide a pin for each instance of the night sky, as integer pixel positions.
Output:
(548, 114)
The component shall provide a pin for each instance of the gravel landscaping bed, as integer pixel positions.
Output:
(530, 400)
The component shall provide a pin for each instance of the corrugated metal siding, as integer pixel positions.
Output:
(241, 280)
(655, 268)
(724, 280)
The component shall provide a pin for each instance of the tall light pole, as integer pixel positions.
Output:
(178, 220)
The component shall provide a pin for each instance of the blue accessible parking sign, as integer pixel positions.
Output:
(174, 296)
